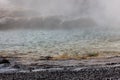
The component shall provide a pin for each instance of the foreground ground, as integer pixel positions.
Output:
(86, 69)
(95, 73)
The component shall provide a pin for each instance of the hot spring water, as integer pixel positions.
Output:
(52, 42)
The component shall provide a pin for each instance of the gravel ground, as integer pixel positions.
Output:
(91, 69)
(92, 73)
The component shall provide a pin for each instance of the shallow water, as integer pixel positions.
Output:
(45, 41)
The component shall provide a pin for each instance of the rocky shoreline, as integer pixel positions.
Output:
(88, 73)
(90, 69)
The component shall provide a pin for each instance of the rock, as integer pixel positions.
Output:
(4, 61)
(16, 66)
(46, 58)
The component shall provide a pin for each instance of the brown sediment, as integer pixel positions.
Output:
(76, 56)
(63, 56)
(87, 55)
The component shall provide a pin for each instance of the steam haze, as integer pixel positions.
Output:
(60, 13)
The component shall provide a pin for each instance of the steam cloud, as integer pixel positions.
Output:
(61, 13)
(5, 4)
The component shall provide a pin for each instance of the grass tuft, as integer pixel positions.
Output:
(66, 56)
(92, 54)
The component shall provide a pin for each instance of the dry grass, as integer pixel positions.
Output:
(61, 56)
(66, 56)
(92, 54)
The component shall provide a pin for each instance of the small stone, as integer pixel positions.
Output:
(4, 61)
(16, 66)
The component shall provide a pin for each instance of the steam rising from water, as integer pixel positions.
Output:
(5, 4)
(101, 12)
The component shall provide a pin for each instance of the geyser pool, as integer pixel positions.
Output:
(48, 42)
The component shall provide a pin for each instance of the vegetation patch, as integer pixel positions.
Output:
(66, 56)
(92, 54)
